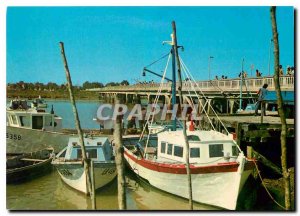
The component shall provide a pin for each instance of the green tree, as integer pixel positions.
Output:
(124, 83)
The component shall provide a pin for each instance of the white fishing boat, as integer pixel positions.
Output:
(218, 167)
(70, 167)
(218, 171)
(32, 129)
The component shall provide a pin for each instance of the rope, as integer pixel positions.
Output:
(160, 87)
(215, 86)
(266, 187)
(186, 82)
(158, 59)
(206, 99)
(187, 70)
(155, 102)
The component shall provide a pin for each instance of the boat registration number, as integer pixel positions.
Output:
(65, 172)
(13, 136)
(108, 171)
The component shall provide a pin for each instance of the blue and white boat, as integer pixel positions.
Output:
(70, 167)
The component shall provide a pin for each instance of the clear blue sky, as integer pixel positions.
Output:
(107, 44)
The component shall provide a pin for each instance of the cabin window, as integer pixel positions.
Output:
(37, 122)
(90, 153)
(48, 120)
(170, 148)
(216, 150)
(178, 151)
(163, 147)
(25, 121)
(193, 138)
(14, 119)
(234, 151)
(195, 153)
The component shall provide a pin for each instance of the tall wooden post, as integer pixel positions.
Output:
(286, 175)
(120, 160)
(262, 110)
(187, 146)
(93, 186)
(86, 161)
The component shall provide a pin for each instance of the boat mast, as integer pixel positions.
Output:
(173, 81)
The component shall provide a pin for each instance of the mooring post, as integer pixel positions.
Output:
(93, 185)
(261, 112)
(86, 161)
(120, 160)
(249, 152)
(286, 175)
(174, 42)
(238, 132)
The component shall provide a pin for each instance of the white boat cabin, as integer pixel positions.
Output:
(33, 119)
(205, 147)
(97, 149)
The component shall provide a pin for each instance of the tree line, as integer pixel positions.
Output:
(51, 86)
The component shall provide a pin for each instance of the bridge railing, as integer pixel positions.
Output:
(250, 84)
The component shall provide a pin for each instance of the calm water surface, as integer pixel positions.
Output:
(49, 192)
(86, 110)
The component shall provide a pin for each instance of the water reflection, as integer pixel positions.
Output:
(50, 193)
(148, 197)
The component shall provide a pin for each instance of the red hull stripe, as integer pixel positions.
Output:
(180, 168)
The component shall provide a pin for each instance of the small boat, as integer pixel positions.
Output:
(28, 166)
(70, 167)
(38, 103)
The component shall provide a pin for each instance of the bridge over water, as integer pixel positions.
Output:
(225, 92)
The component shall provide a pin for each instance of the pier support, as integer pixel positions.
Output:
(137, 99)
(231, 105)
(129, 98)
(209, 104)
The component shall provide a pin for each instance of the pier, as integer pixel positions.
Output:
(224, 95)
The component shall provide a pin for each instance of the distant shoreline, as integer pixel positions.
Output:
(52, 95)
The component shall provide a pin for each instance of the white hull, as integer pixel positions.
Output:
(218, 189)
(22, 140)
(76, 177)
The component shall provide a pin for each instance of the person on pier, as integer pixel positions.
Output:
(262, 93)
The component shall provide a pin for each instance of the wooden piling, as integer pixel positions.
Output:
(86, 161)
(93, 186)
(262, 112)
(120, 161)
(286, 176)
(187, 154)
(238, 132)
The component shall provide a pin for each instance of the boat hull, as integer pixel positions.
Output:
(22, 140)
(73, 174)
(29, 170)
(217, 186)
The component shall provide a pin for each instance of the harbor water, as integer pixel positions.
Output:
(49, 192)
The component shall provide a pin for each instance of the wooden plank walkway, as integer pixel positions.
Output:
(269, 119)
